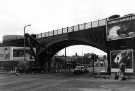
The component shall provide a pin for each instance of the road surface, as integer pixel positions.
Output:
(62, 82)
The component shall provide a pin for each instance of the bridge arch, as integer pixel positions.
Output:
(53, 47)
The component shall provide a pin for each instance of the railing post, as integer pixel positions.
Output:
(62, 30)
(73, 28)
(91, 24)
(78, 27)
(98, 23)
(67, 29)
(53, 32)
(41, 35)
(84, 25)
(48, 33)
(57, 31)
(45, 34)
(106, 26)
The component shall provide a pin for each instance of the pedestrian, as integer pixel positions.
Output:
(122, 70)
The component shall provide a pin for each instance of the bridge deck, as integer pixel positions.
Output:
(84, 26)
(78, 27)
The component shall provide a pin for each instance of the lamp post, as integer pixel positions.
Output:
(24, 39)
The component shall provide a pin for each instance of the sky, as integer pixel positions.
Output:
(80, 50)
(47, 15)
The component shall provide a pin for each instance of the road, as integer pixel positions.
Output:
(62, 82)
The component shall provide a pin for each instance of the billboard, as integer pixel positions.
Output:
(120, 28)
(5, 53)
(118, 56)
(18, 54)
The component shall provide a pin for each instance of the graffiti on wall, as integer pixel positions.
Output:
(118, 56)
(120, 29)
(18, 54)
(5, 53)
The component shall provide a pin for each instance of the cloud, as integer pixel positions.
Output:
(47, 15)
(80, 50)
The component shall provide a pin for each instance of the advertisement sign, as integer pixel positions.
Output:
(118, 56)
(5, 53)
(120, 28)
(18, 54)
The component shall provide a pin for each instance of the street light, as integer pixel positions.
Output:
(24, 39)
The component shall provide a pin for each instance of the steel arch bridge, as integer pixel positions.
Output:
(93, 33)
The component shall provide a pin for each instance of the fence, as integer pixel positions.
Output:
(78, 27)
(84, 26)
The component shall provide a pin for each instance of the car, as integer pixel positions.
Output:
(80, 69)
(113, 17)
(131, 14)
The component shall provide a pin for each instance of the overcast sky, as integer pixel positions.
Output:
(46, 15)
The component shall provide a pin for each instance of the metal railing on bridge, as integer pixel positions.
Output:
(78, 27)
(85, 26)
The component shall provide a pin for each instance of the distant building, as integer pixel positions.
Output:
(13, 40)
(12, 52)
(1, 44)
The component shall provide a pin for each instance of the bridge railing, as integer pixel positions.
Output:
(78, 27)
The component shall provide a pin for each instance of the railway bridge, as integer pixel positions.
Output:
(109, 35)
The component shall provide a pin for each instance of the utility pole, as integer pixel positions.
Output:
(24, 41)
(65, 58)
(93, 59)
(65, 52)
(82, 57)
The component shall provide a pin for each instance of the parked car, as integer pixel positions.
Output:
(113, 17)
(131, 14)
(80, 69)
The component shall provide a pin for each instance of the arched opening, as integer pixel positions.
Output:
(81, 50)
(47, 58)
(69, 58)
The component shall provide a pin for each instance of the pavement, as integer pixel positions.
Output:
(62, 82)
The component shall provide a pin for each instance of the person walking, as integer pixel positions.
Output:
(122, 71)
